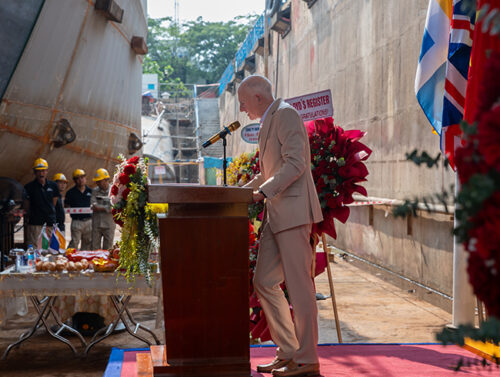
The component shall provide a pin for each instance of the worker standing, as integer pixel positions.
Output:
(62, 183)
(103, 226)
(41, 196)
(81, 225)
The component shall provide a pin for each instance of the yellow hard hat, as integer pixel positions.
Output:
(101, 174)
(78, 173)
(40, 164)
(60, 177)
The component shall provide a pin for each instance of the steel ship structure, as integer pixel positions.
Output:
(70, 84)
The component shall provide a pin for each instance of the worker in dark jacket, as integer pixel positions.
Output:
(81, 224)
(41, 196)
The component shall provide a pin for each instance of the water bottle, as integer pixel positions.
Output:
(30, 253)
(19, 253)
(38, 255)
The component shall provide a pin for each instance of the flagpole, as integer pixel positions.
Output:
(457, 60)
(463, 297)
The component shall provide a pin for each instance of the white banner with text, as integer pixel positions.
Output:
(313, 106)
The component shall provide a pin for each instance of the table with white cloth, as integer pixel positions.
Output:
(43, 289)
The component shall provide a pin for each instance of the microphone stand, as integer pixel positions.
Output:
(224, 161)
(222, 135)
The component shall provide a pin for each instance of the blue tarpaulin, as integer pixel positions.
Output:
(213, 162)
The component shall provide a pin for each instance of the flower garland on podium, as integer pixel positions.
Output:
(135, 216)
(241, 171)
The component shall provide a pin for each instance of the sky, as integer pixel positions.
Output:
(210, 10)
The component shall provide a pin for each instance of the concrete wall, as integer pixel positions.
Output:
(366, 52)
(208, 115)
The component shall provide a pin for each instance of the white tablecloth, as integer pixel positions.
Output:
(15, 287)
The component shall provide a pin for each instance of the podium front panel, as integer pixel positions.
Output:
(205, 277)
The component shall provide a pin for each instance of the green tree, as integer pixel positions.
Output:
(212, 45)
(163, 57)
(194, 52)
(152, 66)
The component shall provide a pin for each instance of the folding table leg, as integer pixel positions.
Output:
(50, 303)
(140, 326)
(39, 324)
(29, 334)
(63, 326)
(120, 305)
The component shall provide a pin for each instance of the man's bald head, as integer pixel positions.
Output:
(255, 94)
(258, 84)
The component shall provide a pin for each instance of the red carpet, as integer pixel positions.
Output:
(129, 367)
(388, 360)
(356, 360)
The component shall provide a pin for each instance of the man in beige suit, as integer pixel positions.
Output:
(285, 253)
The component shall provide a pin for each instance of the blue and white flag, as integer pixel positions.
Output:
(431, 70)
(443, 67)
(57, 241)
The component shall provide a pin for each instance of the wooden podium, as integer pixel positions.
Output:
(204, 268)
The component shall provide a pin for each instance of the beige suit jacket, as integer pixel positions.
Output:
(285, 165)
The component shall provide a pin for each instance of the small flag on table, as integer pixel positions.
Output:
(57, 241)
(43, 239)
(61, 238)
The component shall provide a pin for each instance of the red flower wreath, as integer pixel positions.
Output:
(125, 193)
(478, 168)
(129, 169)
(337, 167)
(124, 179)
(134, 160)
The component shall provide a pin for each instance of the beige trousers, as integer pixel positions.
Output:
(106, 235)
(287, 256)
(81, 231)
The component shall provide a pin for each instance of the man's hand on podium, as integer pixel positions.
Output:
(258, 196)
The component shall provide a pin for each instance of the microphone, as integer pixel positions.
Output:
(222, 134)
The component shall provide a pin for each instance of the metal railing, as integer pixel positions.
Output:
(226, 77)
(253, 36)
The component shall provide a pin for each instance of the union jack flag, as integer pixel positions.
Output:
(457, 69)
